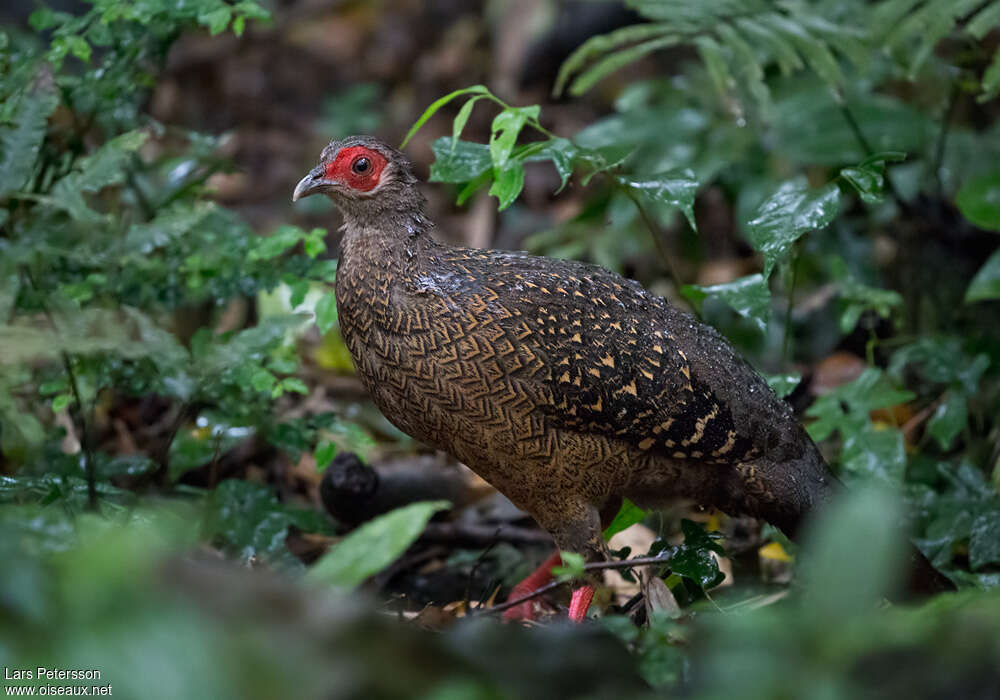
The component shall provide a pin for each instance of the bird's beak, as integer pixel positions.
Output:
(312, 183)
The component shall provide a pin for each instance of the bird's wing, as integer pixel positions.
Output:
(601, 355)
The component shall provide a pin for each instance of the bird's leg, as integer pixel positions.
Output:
(535, 580)
(576, 528)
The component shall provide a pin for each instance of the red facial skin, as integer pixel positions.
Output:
(342, 168)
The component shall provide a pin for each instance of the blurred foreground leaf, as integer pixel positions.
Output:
(373, 546)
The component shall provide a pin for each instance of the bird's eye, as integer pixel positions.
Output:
(361, 165)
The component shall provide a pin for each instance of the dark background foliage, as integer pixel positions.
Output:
(817, 179)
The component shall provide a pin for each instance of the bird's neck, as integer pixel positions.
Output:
(387, 239)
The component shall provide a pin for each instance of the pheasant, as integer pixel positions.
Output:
(564, 385)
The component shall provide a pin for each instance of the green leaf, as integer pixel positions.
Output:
(868, 177)
(847, 407)
(216, 20)
(601, 44)
(266, 248)
(874, 453)
(979, 200)
(857, 298)
(984, 541)
(748, 296)
(465, 162)
(106, 166)
(949, 419)
(783, 384)
(571, 568)
(562, 153)
(324, 454)
(628, 515)
(507, 184)
(22, 142)
(373, 546)
(326, 312)
(674, 188)
(715, 63)
(262, 380)
(462, 119)
(438, 104)
(986, 284)
(788, 214)
(609, 64)
(315, 242)
(504, 132)
(694, 560)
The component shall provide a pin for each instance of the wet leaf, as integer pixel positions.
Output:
(508, 184)
(675, 189)
(748, 296)
(465, 162)
(693, 559)
(949, 419)
(788, 214)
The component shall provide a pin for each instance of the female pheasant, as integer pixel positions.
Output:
(564, 385)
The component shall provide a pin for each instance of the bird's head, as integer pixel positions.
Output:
(362, 175)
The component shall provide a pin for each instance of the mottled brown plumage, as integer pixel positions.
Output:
(564, 385)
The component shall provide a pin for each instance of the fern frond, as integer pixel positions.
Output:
(735, 39)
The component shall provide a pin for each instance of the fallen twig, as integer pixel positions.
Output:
(593, 566)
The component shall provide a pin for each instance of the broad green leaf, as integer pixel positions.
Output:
(788, 214)
(870, 391)
(373, 546)
(504, 132)
(21, 142)
(675, 189)
(628, 515)
(324, 454)
(438, 104)
(463, 163)
(562, 153)
(949, 419)
(748, 296)
(694, 560)
(326, 312)
(986, 284)
(979, 200)
(507, 184)
(875, 453)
